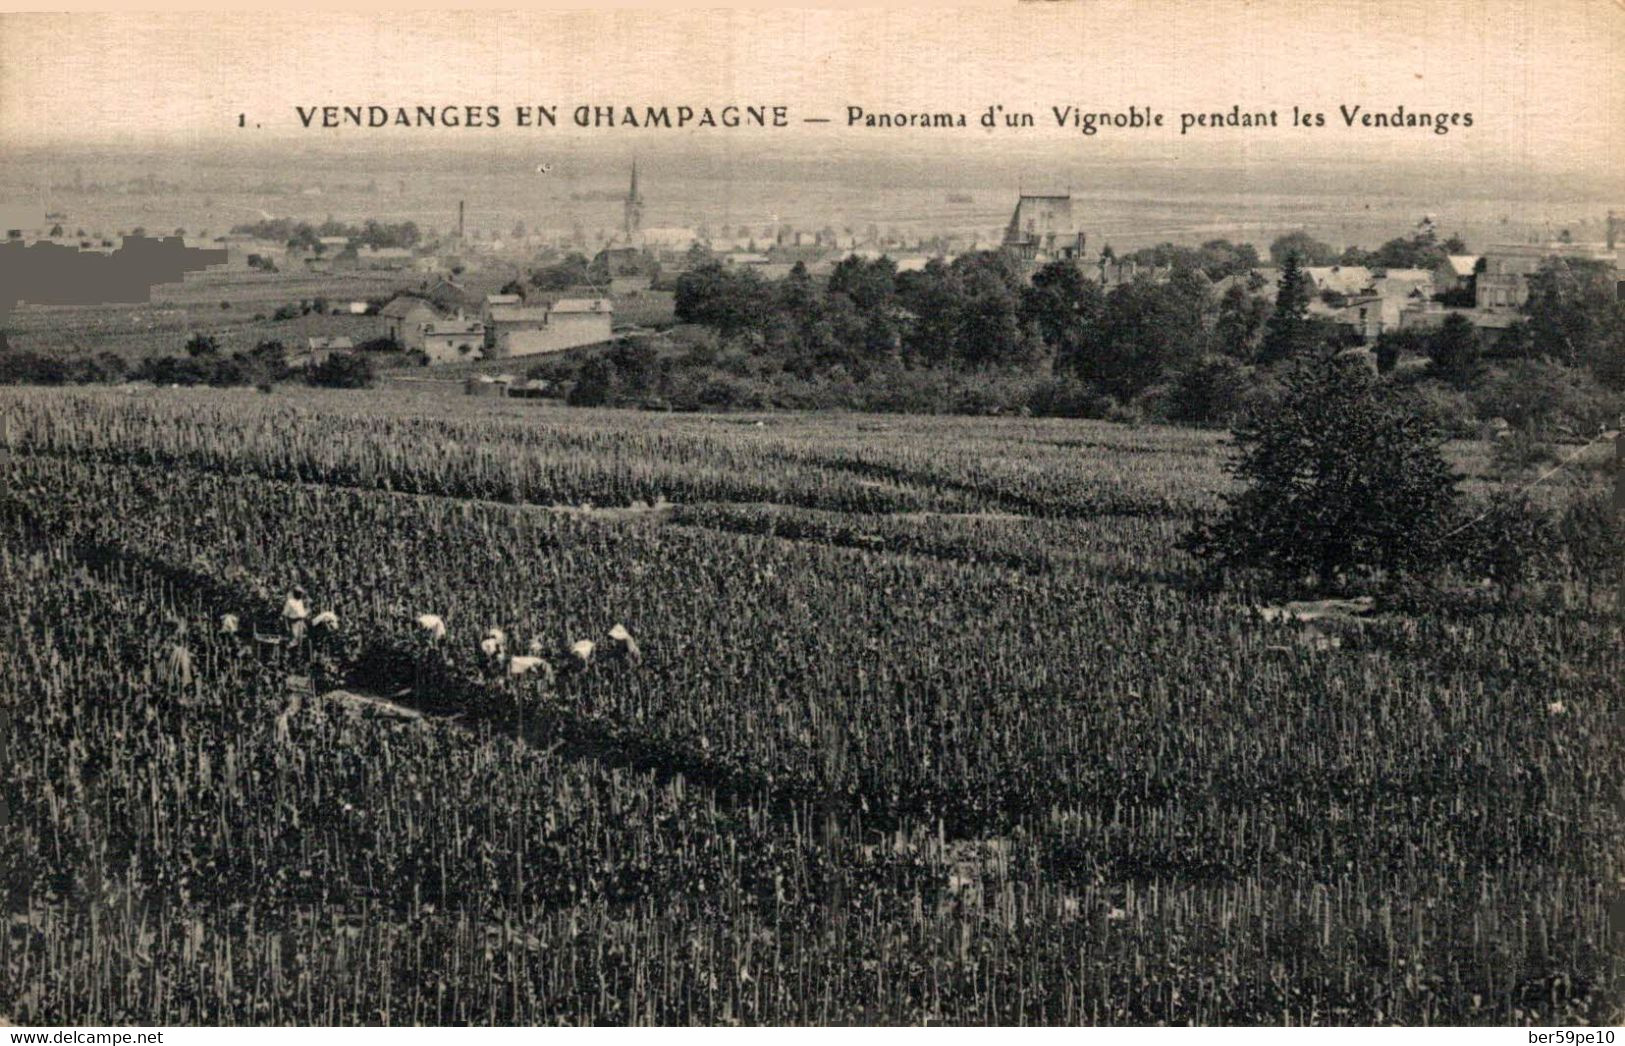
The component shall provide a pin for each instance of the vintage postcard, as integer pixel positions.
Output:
(1030, 514)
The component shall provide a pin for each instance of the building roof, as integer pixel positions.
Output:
(449, 294)
(583, 305)
(1597, 251)
(1463, 264)
(518, 314)
(1344, 279)
(400, 307)
(1040, 217)
(503, 299)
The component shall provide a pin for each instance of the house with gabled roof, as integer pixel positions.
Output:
(454, 341)
(404, 318)
(529, 330)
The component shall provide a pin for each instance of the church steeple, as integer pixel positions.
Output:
(632, 215)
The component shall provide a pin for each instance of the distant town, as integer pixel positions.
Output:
(405, 296)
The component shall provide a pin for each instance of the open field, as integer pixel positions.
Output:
(237, 309)
(929, 725)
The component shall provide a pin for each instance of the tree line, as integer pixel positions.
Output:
(299, 235)
(1196, 336)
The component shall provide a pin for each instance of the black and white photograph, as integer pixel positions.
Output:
(1029, 514)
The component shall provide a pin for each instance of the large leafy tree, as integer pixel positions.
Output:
(1308, 250)
(930, 301)
(572, 271)
(1240, 322)
(1341, 481)
(871, 284)
(990, 330)
(1065, 309)
(1135, 336)
(1453, 351)
(730, 300)
(343, 370)
(1215, 258)
(1576, 317)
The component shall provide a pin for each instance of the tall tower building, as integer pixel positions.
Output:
(632, 213)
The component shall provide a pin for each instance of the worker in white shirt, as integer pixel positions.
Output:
(294, 615)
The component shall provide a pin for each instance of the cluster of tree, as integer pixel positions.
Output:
(343, 370)
(318, 305)
(21, 367)
(33, 368)
(203, 364)
(967, 313)
(608, 264)
(1421, 250)
(1215, 259)
(979, 312)
(574, 270)
(304, 235)
(1575, 317)
(1345, 487)
(571, 271)
(1169, 345)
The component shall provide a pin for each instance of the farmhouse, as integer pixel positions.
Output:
(383, 258)
(1503, 282)
(503, 320)
(404, 319)
(1455, 273)
(498, 301)
(453, 341)
(1363, 315)
(1400, 288)
(524, 330)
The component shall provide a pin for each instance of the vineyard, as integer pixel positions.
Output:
(929, 725)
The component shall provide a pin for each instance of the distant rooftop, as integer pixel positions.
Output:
(583, 305)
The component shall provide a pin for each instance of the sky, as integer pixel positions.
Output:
(1540, 77)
